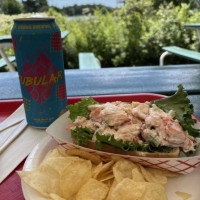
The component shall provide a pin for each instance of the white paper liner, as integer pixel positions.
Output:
(184, 165)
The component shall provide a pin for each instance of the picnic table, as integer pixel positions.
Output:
(6, 42)
(179, 51)
(121, 80)
(103, 82)
(195, 26)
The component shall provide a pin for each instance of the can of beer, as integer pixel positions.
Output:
(39, 57)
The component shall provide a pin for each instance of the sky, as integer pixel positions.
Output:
(65, 3)
(61, 3)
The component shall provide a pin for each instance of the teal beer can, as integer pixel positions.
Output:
(39, 57)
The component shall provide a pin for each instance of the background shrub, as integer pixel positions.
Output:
(132, 35)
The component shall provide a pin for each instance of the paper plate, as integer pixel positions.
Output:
(184, 183)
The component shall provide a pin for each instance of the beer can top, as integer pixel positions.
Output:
(34, 19)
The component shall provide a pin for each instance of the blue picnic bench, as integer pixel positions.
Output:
(87, 60)
(3, 62)
(189, 54)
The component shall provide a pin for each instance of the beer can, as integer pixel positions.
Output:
(39, 58)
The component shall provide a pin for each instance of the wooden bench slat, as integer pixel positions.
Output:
(87, 60)
(3, 62)
(189, 54)
(64, 34)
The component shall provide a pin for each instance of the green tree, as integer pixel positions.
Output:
(35, 5)
(193, 3)
(11, 7)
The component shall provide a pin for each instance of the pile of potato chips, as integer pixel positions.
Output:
(79, 175)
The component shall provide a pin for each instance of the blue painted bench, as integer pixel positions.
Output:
(189, 54)
(87, 60)
(3, 62)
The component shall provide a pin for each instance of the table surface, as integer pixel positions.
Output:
(121, 80)
(111, 81)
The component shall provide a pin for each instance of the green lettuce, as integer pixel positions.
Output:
(180, 104)
(81, 108)
(129, 146)
(82, 135)
(109, 139)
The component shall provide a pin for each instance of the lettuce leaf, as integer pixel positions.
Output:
(180, 104)
(81, 108)
(129, 146)
(109, 139)
(82, 135)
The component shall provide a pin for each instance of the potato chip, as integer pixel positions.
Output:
(60, 163)
(105, 176)
(92, 190)
(96, 169)
(153, 175)
(169, 173)
(116, 158)
(106, 159)
(57, 160)
(128, 189)
(61, 152)
(79, 175)
(111, 189)
(106, 172)
(137, 175)
(53, 196)
(72, 197)
(74, 176)
(84, 154)
(109, 182)
(123, 169)
(44, 179)
(107, 166)
(154, 191)
(54, 153)
(183, 195)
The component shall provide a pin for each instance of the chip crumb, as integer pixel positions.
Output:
(183, 195)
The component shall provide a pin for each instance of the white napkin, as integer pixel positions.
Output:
(10, 124)
(13, 119)
(21, 147)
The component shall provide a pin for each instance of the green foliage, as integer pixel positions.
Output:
(12, 7)
(6, 24)
(194, 4)
(166, 28)
(79, 9)
(132, 35)
(136, 15)
(128, 36)
(35, 5)
(61, 19)
(101, 34)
